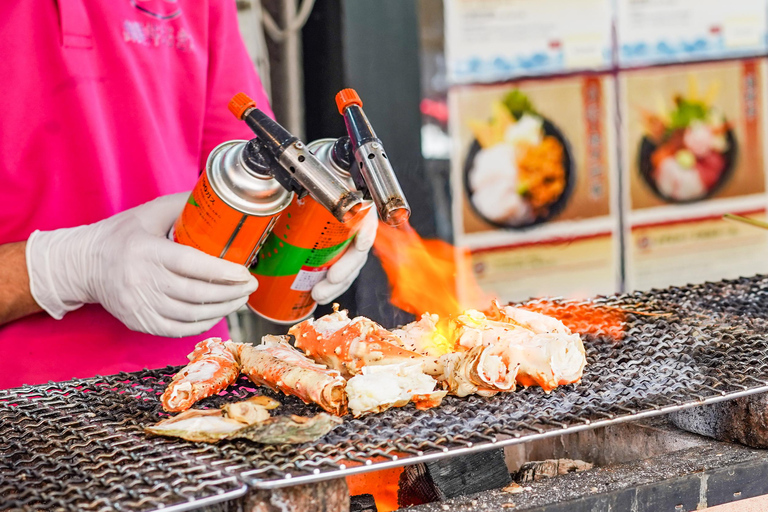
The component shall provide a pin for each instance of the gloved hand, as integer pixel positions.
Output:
(126, 264)
(347, 268)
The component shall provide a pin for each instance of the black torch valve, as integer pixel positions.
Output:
(373, 173)
(261, 161)
(280, 154)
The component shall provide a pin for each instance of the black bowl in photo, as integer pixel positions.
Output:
(555, 208)
(645, 166)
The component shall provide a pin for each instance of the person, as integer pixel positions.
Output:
(110, 111)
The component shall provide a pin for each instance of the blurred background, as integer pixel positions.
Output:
(574, 147)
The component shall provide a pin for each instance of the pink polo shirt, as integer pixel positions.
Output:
(107, 104)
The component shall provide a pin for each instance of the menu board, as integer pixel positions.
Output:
(668, 31)
(495, 40)
(694, 143)
(534, 185)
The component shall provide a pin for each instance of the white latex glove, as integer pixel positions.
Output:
(347, 268)
(126, 264)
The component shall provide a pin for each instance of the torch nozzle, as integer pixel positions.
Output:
(373, 171)
(396, 214)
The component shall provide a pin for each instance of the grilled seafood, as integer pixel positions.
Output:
(348, 345)
(512, 343)
(494, 351)
(277, 365)
(550, 356)
(378, 388)
(473, 372)
(212, 368)
(289, 429)
(249, 419)
(358, 365)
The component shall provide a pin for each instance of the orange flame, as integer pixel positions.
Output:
(382, 484)
(424, 274)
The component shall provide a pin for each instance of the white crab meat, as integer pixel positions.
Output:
(378, 388)
(547, 360)
(329, 324)
(515, 346)
(475, 329)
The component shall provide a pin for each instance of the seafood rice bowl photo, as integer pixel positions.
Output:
(688, 152)
(518, 172)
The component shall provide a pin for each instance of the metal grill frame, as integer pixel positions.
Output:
(679, 342)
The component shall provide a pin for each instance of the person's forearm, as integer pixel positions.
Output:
(15, 298)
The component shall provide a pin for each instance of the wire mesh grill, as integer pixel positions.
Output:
(79, 445)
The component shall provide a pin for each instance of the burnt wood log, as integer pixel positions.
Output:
(326, 496)
(742, 420)
(539, 470)
(456, 476)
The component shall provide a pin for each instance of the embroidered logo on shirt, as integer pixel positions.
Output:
(156, 35)
(160, 9)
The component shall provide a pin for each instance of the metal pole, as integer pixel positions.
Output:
(294, 79)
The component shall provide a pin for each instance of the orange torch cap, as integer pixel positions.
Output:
(347, 97)
(239, 103)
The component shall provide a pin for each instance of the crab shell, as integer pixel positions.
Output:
(360, 342)
(279, 366)
(212, 368)
(481, 370)
(249, 419)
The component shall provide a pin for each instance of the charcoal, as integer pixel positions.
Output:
(362, 503)
(449, 478)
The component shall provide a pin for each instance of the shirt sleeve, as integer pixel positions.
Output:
(230, 70)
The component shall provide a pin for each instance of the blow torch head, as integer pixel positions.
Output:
(295, 167)
(373, 166)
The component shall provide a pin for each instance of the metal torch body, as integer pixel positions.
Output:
(305, 242)
(246, 185)
(231, 210)
(373, 172)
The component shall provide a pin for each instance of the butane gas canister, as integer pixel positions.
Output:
(304, 243)
(231, 209)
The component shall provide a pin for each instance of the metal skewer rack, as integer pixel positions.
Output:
(79, 445)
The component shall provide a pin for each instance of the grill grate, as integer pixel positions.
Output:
(78, 445)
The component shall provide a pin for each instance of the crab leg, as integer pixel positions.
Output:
(212, 368)
(348, 345)
(276, 364)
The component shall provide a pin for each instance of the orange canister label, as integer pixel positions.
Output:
(304, 243)
(211, 225)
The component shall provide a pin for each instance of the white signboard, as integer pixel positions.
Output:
(494, 40)
(665, 31)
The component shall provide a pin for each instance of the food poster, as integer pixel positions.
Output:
(694, 149)
(534, 187)
(668, 31)
(495, 40)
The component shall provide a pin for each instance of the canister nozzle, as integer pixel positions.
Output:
(293, 165)
(373, 171)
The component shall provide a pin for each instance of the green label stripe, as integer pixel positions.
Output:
(279, 258)
(192, 201)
